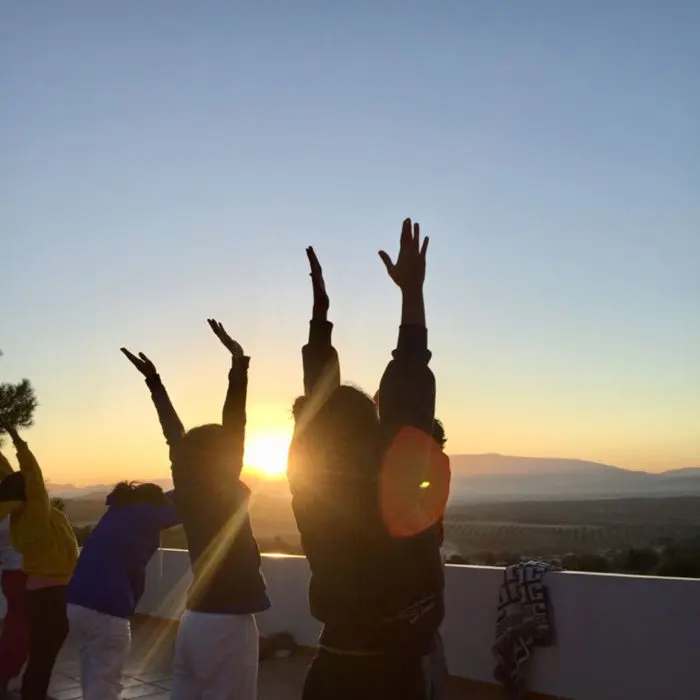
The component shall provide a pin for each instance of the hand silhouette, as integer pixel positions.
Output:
(409, 270)
(12, 432)
(321, 300)
(227, 341)
(141, 362)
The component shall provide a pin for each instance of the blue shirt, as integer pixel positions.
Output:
(110, 576)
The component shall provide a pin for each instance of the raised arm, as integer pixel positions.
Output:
(416, 474)
(35, 488)
(320, 358)
(234, 413)
(407, 390)
(173, 430)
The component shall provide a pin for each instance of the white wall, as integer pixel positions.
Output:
(287, 580)
(617, 637)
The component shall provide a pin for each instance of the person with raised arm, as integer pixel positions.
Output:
(371, 534)
(44, 537)
(14, 636)
(216, 653)
(110, 580)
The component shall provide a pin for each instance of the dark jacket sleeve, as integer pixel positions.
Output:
(320, 358)
(173, 430)
(234, 413)
(407, 389)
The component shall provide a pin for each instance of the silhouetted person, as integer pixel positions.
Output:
(44, 537)
(370, 535)
(110, 579)
(14, 636)
(216, 654)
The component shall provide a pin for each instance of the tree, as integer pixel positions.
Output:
(597, 563)
(82, 534)
(457, 559)
(59, 504)
(638, 561)
(17, 404)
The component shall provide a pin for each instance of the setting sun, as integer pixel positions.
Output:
(266, 454)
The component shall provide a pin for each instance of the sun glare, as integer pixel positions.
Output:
(266, 454)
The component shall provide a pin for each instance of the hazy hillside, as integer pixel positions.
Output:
(488, 477)
(501, 477)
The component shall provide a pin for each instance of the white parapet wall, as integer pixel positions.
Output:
(617, 637)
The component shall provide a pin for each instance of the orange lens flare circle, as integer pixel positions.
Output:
(414, 483)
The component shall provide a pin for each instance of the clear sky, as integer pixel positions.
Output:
(163, 161)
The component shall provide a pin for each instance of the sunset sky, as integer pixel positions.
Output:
(166, 161)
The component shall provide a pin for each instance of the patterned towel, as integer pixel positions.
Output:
(524, 621)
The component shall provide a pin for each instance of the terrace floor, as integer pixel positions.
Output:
(148, 670)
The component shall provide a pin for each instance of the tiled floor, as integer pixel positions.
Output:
(280, 679)
(148, 672)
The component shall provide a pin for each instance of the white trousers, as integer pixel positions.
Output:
(216, 657)
(104, 642)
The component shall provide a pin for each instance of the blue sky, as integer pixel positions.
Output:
(167, 161)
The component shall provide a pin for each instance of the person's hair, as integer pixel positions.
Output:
(439, 433)
(343, 431)
(12, 488)
(208, 448)
(126, 493)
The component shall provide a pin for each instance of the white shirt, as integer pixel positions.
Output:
(9, 559)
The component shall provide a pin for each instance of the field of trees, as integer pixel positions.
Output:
(635, 535)
(554, 528)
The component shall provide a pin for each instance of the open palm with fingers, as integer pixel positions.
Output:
(227, 341)
(409, 270)
(141, 362)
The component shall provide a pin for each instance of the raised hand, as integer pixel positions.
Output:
(142, 363)
(12, 432)
(409, 271)
(321, 300)
(227, 341)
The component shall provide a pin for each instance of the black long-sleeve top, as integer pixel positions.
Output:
(223, 552)
(371, 540)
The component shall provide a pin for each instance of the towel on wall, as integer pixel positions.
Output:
(524, 621)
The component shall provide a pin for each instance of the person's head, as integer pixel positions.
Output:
(208, 449)
(439, 433)
(343, 430)
(12, 487)
(127, 493)
(5, 466)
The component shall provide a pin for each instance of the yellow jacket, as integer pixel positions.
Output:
(41, 533)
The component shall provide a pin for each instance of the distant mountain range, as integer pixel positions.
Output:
(496, 477)
(99, 491)
(499, 477)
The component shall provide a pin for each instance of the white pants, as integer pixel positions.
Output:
(104, 642)
(216, 657)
